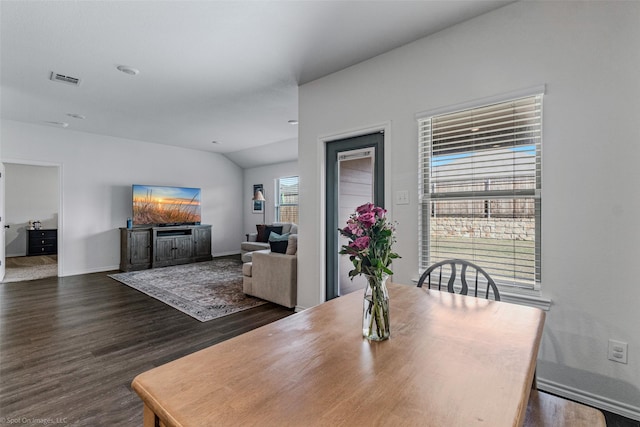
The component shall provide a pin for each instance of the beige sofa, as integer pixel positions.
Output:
(252, 245)
(271, 276)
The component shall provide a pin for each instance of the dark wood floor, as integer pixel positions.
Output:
(614, 420)
(70, 347)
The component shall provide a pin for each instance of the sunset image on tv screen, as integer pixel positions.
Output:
(165, 205)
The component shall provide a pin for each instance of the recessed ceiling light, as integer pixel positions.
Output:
(58, 124)
(293, 122)
(77, 116)
(128, 70)
(475, 129)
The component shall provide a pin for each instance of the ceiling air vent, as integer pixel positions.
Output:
(61, 78)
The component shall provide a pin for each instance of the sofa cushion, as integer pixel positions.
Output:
(292, 244)
(253, 246)
(265, 230)
(278, 242)
(287, 227)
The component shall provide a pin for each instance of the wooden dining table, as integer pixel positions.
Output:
(451, 360)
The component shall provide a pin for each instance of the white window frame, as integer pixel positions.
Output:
(277, 203)
(527, 296)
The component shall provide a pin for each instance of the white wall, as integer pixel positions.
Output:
(588, 55)
(274, 153)
(31, 193)
(267, 176)
(97, 174)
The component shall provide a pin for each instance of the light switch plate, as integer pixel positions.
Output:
(402, 197)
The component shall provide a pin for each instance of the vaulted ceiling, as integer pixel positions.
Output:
(223, 71)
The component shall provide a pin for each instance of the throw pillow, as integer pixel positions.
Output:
(292, 244)
(261, 229)
(265, 230)
(273, 229)
(278, 242)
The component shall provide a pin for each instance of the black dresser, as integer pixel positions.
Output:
(42, 242)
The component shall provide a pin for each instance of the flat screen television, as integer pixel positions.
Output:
(162, 205)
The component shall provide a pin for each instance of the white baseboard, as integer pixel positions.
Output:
(217, 254)
(92, 270)
(590, 399)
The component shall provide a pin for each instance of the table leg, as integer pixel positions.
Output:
(150, 419)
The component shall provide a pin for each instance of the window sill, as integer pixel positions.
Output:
(529, 298)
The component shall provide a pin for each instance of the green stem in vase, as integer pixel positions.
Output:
(377, 309)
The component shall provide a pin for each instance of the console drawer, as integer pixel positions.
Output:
(42, 242)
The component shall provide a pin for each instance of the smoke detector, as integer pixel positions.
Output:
(63, 78)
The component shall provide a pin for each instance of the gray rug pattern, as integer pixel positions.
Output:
(203, 290)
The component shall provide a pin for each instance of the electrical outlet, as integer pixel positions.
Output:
(618, 351)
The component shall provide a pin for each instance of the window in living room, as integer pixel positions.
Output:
(287, 199)
(480, 189)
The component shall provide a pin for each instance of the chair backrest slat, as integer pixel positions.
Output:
(452, 277)
(477, 286)
(464, 286)
(463, 279)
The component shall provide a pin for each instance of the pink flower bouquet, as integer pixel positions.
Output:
(370, 239)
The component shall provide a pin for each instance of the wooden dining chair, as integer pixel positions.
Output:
(449, 268)
(547, 410)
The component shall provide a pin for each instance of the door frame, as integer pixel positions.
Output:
(332, 147)
(2, 228)
(60, 200)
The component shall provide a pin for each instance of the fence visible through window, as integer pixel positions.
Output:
(503, 243)
(287, 205)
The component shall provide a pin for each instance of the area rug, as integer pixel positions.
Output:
(25, 268)
(203, 290)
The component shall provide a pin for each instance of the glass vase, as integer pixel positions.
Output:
(375, 314)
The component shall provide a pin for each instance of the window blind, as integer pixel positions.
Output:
(480, 188)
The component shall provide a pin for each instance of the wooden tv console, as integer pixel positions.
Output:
(149, 247)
